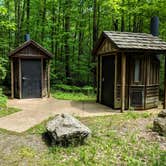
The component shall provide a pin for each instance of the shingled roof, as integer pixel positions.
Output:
(131, 41)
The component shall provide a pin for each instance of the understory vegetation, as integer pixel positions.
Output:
(121, 139)
(75, 93)
(4, 110)
(3, 99)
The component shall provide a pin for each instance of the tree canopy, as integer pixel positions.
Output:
(70, 28)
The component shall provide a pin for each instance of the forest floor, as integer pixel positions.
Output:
(119, 139)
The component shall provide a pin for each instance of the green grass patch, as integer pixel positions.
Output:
(75, 89)
(73, 96)
(7, 111)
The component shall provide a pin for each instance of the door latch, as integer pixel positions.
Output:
(24, 78)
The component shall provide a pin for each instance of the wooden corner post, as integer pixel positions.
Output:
(48, 77)
(115, 80)
(164, 106)
(20, 79)
(123, 80)
(42, 81)
(12, 79)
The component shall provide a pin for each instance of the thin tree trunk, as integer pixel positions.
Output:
(95, 32)
(115, 24)
(94, 22)
(67, 48)
(129, 28)
(80, 35)
(28, 15)
(43, 20)
(122, 18)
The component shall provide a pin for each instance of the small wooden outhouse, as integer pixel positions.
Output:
(128, 69)
(30, 70)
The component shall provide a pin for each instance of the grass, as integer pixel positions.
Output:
(109, 144)
(115, 140)
(4, 110)
(73, 96)
(7, 111)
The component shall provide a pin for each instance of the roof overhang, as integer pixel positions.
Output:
(35, 44)
(152, 43)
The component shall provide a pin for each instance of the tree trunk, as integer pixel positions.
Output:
(94, 22)
(28, 15)
(122, 18)
(43, 20)
(67, 47)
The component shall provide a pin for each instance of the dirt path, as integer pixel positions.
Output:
(34, 111)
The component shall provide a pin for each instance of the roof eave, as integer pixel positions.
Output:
(142, 50)
(102, 36)
(12, 53)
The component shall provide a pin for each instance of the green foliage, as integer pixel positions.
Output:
(73, 96)
(4, 110)
(3, 99)
(134, 115)
(7, 111)
(3, 70)
(6, 25)
(26, 152)
(69, 88)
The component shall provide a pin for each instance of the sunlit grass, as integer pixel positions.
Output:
(4, 111)
(107, 145)
(73, 96)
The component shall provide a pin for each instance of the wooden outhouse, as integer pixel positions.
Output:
(128, 69)
(30, 67)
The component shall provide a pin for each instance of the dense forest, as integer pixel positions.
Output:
(69, 29)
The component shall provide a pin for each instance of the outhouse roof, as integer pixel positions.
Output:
(28, 43)
(133, 41)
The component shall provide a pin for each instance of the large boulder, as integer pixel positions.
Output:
(159, 124)
(65, 129)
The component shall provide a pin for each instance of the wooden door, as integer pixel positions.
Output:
(31, 78)
(108, 76)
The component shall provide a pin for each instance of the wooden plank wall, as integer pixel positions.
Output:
(152, 96)
(147, 87)
(106, 47)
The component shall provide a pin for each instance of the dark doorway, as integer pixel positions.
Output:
(31, 78)
(108, 75)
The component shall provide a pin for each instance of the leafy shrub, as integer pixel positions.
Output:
(3, 70)
(3, 99)
(88, 90)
